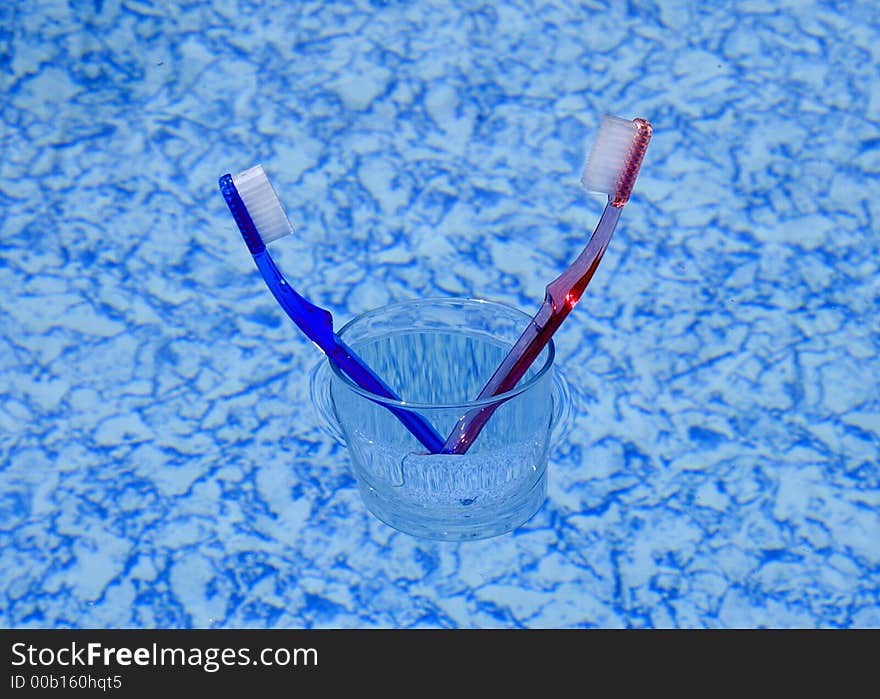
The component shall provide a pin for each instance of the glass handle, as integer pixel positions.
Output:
(322, 401)
(563, 412)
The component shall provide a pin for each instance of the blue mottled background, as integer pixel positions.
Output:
(160, 460)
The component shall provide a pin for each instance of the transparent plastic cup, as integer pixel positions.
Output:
(438, 354)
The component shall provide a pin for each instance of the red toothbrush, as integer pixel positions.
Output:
(612, 168)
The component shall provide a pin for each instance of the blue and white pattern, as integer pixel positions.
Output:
(160, 460)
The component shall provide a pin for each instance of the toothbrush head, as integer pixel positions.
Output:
(262, 203)
(255, 207)
(615, 159)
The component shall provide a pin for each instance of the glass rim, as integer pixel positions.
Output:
(521, 387)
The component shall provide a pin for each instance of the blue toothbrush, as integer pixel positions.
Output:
(261, 219)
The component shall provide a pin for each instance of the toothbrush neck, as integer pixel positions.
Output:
(565, 291)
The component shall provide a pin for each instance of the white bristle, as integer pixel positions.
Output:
(609, 155)
(262, 204)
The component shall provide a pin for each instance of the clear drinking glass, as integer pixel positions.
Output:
(437, 354)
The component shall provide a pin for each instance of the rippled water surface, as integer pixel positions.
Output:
(160, 460)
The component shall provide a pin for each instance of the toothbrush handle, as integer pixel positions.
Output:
(561, 296)
(317, 324)
(346, 359)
